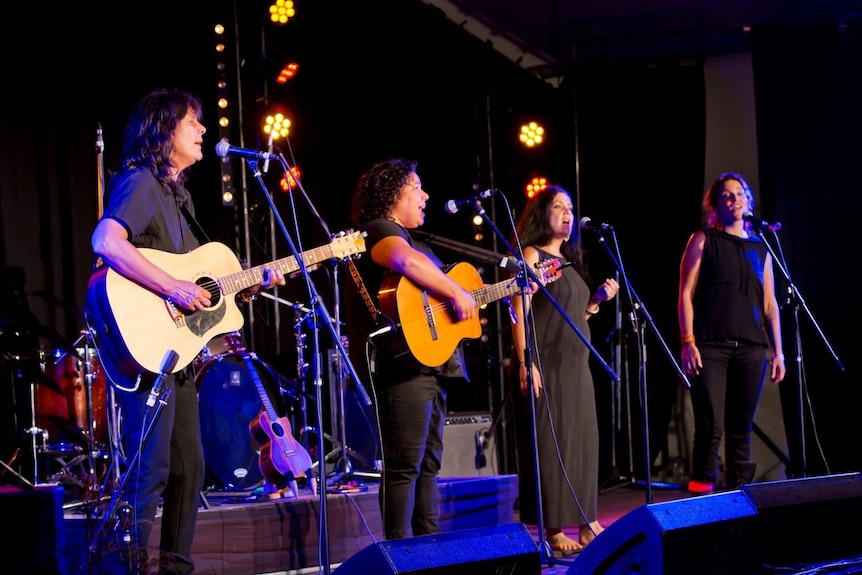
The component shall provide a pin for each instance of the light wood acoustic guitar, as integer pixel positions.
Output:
(427, 329)
(136, 328)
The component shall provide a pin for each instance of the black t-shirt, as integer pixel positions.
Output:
(373, 276)
(152, 217)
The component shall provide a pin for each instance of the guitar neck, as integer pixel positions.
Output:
(261, 390)
(235, 282)
(493, 292)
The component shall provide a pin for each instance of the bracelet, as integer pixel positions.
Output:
(687, 338)
(591, 312)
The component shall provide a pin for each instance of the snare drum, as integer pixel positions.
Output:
(229, 401)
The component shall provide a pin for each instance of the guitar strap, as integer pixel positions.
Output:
(363, 291)
(197, 230)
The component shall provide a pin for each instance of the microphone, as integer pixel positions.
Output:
(480, 459)
(168, 364)
(588, 224)
(224, 149)
(453, 206)
(760, 223)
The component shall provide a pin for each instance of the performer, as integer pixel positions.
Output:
(411, 404)
(562, 381)
(146, 206)
(728, 319)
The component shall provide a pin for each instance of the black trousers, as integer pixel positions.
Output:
(724, 398)
(412, 416)
(171, 467)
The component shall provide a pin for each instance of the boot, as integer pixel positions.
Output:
(740, 474)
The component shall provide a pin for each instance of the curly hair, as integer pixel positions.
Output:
(147, 139)
(713, 195)
(379, 188)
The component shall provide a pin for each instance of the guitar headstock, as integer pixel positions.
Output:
(347, 244)
(550, 270)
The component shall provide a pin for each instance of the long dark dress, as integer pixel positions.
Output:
(568, 390)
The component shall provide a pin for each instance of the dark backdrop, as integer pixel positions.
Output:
(395, 78)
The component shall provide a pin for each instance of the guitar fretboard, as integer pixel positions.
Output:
(235, 282)
(491, 293)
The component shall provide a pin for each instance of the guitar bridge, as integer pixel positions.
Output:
(429, 316)
(177, 316)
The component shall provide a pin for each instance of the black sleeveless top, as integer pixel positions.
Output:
(728, 297)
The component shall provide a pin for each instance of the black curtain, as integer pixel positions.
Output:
(641, 153)
(809, 111)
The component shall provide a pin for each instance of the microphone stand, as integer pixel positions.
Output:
(525, 275)
(800, 303)
(157, 398)
(639, 308)
(318, 307)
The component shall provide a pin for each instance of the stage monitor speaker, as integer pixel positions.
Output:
(808, 520)
(780, 524)
(32, 530)
(468, 445)
(506, 549)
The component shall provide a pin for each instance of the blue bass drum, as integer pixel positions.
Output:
(229, 401)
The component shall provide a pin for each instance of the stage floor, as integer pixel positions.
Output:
(239, 533)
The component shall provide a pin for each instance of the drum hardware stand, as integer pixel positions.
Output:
(35, 433)
(87, 338)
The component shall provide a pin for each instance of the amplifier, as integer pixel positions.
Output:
(468, 445)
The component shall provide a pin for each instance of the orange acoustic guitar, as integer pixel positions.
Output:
(427, 329)
(149, 324)
(282, 459)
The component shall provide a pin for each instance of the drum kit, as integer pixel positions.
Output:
(59, 417)
(68, 425)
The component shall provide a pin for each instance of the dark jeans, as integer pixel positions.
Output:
(412, 416)
(171, 466)
(724, 398)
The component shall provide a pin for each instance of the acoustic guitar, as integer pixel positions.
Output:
(427, 329)
(136, 328)
(282, 459)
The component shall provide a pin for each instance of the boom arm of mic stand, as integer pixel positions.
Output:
(643, 309)
(799, 298)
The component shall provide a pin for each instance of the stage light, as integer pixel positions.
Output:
(289, 181)
(531, 134)
(281, 11)
(288, 72)
(223, 102)
(536, 185)
(276, 125)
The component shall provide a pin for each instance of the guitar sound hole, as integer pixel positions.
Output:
(211, 286)
(277, 429)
